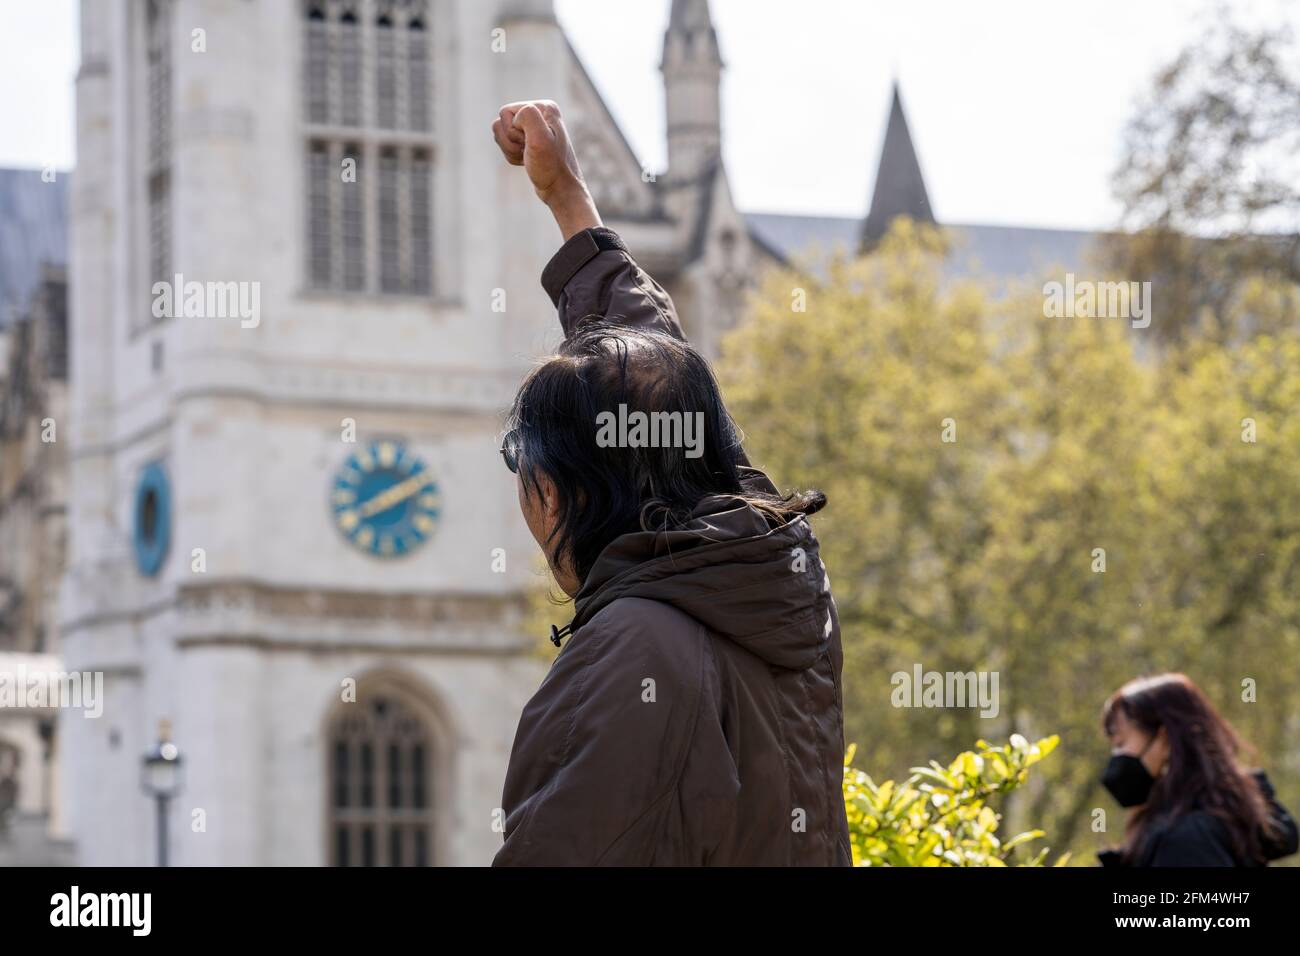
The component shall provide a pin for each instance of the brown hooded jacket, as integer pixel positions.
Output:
(694, 717)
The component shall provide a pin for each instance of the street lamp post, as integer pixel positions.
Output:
(160, 778)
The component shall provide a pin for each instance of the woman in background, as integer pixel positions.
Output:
(1174, 766)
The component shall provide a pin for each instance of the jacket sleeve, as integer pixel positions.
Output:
(593, 275)
(1282, 839)
(620, 739)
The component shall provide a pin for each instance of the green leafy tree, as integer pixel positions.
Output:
(1028, 496)
(1208, 182)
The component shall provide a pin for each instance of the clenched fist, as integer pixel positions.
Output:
(531, 134)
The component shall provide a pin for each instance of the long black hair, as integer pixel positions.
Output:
(1204, 772)
(605, 491)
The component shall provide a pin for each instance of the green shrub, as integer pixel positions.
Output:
(939, 816)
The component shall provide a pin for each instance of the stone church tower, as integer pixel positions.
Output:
(302, 290)
(692, 70)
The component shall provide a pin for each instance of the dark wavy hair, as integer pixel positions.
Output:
(604, 492)
(1204, 772)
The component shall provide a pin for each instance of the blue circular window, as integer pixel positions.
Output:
(152, 519)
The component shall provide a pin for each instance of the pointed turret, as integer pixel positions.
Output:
(540, 10)
(692, 70)
(900, 187)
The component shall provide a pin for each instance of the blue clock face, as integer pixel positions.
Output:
(384, 500)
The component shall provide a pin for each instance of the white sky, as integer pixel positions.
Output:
(1015, 106)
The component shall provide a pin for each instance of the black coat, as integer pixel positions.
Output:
(1200, 838)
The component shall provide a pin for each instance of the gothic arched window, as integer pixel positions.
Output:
(366, 105)
(158, 83)
(382, 757)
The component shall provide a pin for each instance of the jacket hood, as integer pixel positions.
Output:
(729, 568)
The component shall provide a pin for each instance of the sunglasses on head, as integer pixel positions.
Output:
(510, 450)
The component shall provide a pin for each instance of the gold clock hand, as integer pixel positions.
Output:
(393, 496)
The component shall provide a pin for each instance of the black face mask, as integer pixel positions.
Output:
(1127, 779)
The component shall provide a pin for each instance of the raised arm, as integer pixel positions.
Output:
(592, 274)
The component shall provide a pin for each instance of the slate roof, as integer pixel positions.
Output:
(1018, 251)
(33, 232)
(1006, 252)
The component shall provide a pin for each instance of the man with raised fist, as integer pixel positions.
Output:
(694, 717)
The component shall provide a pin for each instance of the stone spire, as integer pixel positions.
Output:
(900, 187)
